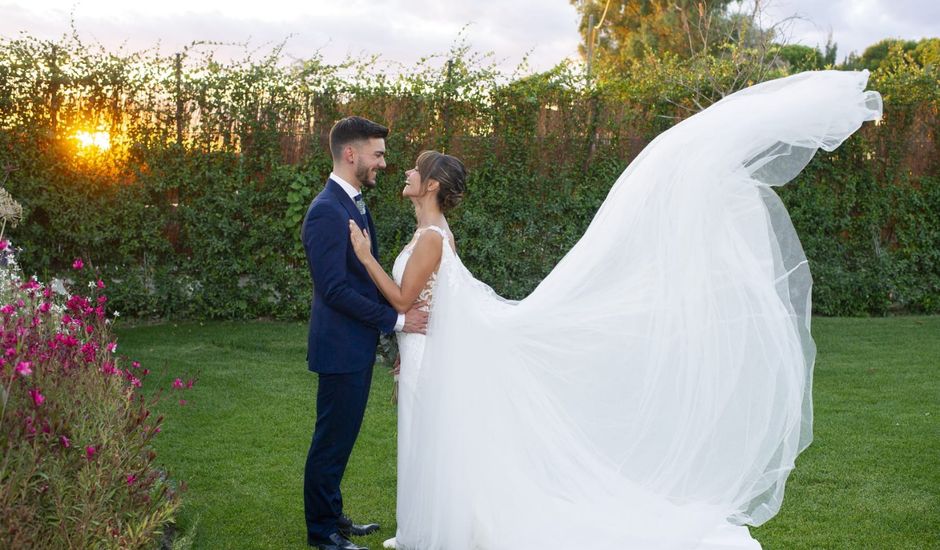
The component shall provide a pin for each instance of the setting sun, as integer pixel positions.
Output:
(98, 140)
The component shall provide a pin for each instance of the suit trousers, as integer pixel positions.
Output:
(341, 405)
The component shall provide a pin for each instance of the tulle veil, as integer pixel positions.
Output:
(657, 383)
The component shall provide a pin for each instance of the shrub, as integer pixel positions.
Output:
(78, 470)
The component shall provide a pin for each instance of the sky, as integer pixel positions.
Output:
(543, 32)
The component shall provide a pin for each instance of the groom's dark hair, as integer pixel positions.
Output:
(352, 129)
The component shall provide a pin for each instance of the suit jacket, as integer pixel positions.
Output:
(347, 312)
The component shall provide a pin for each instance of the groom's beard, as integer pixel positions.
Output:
(362, 174)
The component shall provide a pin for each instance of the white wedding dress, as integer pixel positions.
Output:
(654, 390)
(411, 349)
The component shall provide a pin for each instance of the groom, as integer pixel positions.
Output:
(346, 316)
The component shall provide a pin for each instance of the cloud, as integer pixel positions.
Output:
(406, 30)
(398, 30)
(857, 24)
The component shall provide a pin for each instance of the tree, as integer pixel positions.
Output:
(924, 53)
(692, 52)
(875, 54)
(927, 53)
(804, 58)
(829, 56)
(800, 58)
(617, 31)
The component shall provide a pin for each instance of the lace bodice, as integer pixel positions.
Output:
(398, 270)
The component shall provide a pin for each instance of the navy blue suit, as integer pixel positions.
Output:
(346, 316)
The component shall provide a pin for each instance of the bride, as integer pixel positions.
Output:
(435, 185)
(654, 390)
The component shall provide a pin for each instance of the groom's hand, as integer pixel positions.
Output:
(416, 319)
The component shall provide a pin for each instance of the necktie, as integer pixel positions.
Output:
(360, 204)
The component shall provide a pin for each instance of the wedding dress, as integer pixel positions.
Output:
(654, 390)
(411, 350)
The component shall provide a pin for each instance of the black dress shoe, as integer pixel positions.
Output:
(335, 542)
(349, 529)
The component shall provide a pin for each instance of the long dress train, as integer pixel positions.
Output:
(654, 390)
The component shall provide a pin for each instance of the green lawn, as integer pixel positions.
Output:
(871, 479)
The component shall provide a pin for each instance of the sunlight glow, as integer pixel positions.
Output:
(98, 140)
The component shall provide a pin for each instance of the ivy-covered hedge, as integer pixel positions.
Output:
(195, 209)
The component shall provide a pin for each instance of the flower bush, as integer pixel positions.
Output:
(78, 470)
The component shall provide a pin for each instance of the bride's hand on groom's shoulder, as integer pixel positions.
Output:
(362, 244)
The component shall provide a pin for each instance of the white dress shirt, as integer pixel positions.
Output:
(352, 192)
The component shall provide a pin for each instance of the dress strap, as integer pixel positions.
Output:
(434, 228)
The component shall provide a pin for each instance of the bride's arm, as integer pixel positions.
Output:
(422, 263)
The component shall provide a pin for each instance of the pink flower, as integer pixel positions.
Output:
(4, 244)
(67, 340)
(90, 451)
(189, 383)
(78, 304)
(182, 402)
(89, 349)
(7, 309)
(100, 283)
(65, 441)
(38, 397)
(177, 383)
(131, 478)
(23, 369)
(146, 372)
(135, 381)
(89, 329)
(136, 364)
(10, 352)
(78, 263)
(112, 347)
(45, 307)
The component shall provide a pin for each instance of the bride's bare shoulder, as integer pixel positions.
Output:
(428, 239)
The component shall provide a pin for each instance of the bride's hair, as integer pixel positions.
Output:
(449, 172)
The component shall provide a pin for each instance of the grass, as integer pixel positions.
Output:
(871, 478)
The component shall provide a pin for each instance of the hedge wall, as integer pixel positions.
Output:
(195, 209)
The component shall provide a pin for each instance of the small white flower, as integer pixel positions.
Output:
(58, 287)
(91, 284)
(117, 313)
